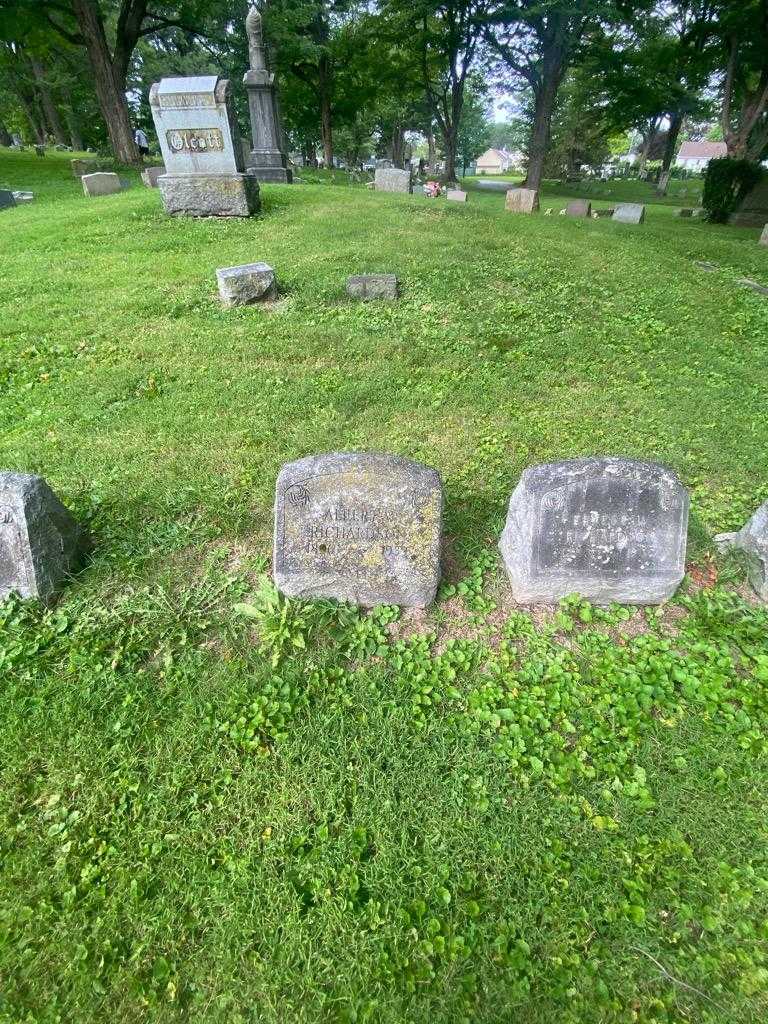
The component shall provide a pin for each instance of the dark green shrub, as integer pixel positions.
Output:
(726, 184)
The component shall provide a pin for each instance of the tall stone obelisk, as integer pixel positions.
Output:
(268, 161)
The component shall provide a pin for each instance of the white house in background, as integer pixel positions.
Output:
(498, 161)
(694, 156)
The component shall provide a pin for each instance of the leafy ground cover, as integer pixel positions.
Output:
(217, 805)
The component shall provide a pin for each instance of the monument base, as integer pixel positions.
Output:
(210, 195)
(278, 175)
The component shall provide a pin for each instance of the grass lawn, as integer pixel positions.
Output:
(477, 814)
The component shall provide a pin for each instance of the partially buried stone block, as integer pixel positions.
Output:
(101, 183)
(244, 285)
(392, 179)
(608, 529)
(752, 539)
(629, 213)
(579, 208)
(372, 286)
(360, 527)
(522, 200)
(40, 542)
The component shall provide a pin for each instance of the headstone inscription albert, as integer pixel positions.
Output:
(752, 539)
(579, 208)
(100, 183)
(629, 213)
(7, 198)
(609, 529)
(522, 200)
(267, 159)
(360, 527)
(764, 236)
(200, 142)
(40, 542)
(392, 179)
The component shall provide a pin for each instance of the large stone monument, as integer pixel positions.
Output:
(752, 539)
(40, 542)
(359, 527)
(267, 160)
(200, 142)
(609, 529)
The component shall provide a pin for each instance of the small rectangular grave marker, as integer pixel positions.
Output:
(456, 195)
(372, 286)
(609, 529)
(40, 542)
(359, 527)
(101, 183)
(81, 167)
(522, 200)
(150, 176)
(579, 208)
(244, 285)
(392, 179)
(629, 213)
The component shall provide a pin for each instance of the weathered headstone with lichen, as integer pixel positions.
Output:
(609, 529)
(752, 539)
(629, 213)
(392, 179)
(363, 527)
(40, 542)
(579, 208)
(522, 200)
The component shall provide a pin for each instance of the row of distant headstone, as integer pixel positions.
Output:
(367, 528)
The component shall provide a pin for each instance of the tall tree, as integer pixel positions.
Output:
(743, 34)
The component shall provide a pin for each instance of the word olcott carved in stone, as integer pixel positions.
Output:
(359, 527)
(609, 529)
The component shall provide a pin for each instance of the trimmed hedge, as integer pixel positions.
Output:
(726, 184)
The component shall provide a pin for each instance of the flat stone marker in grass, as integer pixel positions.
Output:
(40, 542)
(579, 208)
(246, 284)
(373, 286)
(754, 286)
(456, 195)
(7, 199)
(200, 142)
(609, 529)
(392, 179)
(81, 167)
(764, 236)
(522, 200)
(360, 527)
(629, 213)
(102, 183)
(752, 539)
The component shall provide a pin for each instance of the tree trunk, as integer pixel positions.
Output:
(432, 151)
(5, 136)
(646, 147)
(73, 124)
(38, 132)
(675, 124)
(324, 82)
(544, 107)
(49, 107)
(111, 98)
(397, 152)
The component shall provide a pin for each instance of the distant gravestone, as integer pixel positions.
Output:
(244, 285)
(685, 212)
(579, 208)
(150, 176)
(7, 199)
(392, 179)
(372, 286)
(609, 529)
(495, 186)
(200, 141)
(359, 527)
(81, 167)
(40, 542)
(24, 197)
(40, 150)
(629, 213)
(752, 539)
(522, 200)
(101, 183)
(456, 195)
(764, 236)
(608, 211)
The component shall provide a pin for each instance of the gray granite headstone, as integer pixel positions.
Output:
(372, 286)
(752, 539)
(764, 236)
(150, 176)
(579, 208)
(629, 213)
(100, 183)
(456, 195)
(358, 526)
(392, 179)
(40, 542)
(266, 159)
(81, 167)
(522, 200)
(609, 529)
(246, 284)
(6, 198)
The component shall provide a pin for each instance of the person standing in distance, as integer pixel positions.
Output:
(141, 141)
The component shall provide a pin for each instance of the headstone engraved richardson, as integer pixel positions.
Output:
(609, 529)
(360, 527)
(40, 542)
(200, 142)
(267, 160)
